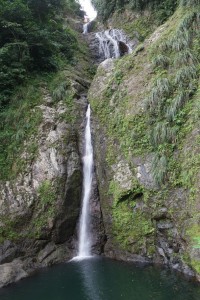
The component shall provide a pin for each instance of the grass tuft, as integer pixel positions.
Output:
(161, 61)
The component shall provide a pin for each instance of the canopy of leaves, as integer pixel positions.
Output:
(32, 39)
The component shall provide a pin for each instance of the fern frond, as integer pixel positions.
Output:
(185, 74)
(184, 57)
(159, 168)
(176, 105)
(60, 92)
(161, 61)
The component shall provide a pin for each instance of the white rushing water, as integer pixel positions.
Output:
(88, 8)
(109, 43)
(85, 28)
(84, 246)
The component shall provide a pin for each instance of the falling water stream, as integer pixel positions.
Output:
(109, 43)
(84, 245)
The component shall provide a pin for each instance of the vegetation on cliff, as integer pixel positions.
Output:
(149, 112)
(45, 66)
(36, 44)
(161, 9)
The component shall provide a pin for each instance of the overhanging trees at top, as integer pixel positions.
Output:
(32, 38)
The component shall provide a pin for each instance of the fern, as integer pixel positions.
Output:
(166, 46)
(60, 92)
(187, 21)
(161, 61)
(159, 168)
(180, 43)
(176, 105)
(162, 133)
(184, 57)
(158, 95)
(185, 75)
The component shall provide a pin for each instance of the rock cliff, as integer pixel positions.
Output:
(40, 200)
(146, 147)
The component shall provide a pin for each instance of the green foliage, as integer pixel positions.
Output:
(184, 57)
(159, 168)
(176, 104)
(185, 75)
(162, 133)
(158, 95)
(32, 38)
(161, 61)
(60, 92)
(163, 9)
(130, 226)
(18, 122)
(46, 193)
(8, 230)
(189, 2)
(178, 62)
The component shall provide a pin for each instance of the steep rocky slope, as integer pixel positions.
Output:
(146, 116)
(41, 188)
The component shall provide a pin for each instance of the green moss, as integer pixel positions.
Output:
(9, 230)
(131, 228)
(196, 265)
(143, 26)
(193, 234)
(47, 193)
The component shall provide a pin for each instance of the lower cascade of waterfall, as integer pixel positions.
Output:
(113, 43)
(84, 238)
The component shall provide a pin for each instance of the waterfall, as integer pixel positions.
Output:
(84, 246)
(110, 42)
(85, 28)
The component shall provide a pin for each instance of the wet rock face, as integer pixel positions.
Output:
(97, 226)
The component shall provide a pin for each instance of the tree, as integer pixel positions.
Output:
(32, 37)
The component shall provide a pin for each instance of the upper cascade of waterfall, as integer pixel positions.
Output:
(113, 43)
(88, 8)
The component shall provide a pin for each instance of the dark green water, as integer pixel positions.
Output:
(102, 279)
